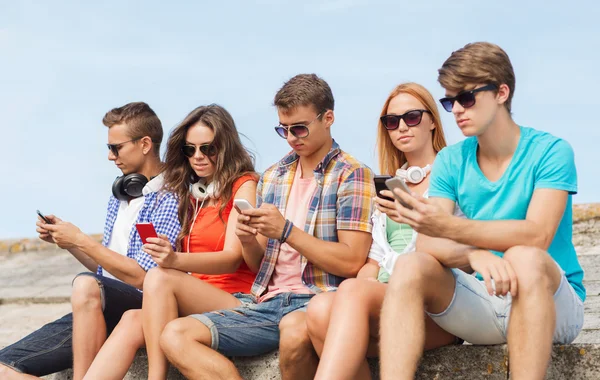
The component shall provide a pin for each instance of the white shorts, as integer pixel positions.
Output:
(479, 318)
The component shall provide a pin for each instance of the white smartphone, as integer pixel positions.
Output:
(397, 183)
(242, 205)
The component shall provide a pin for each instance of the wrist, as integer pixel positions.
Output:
(81, 241)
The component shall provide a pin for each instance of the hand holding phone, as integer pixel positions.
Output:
(397, 183)
(242, 205)
(46, 220)
(146, 230)
(380, 185)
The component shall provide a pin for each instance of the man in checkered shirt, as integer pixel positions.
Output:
(99, 299)
(310, 230)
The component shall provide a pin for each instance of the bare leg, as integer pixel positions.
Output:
(117, 354)
(353, 323)
(419, 282)
(297, 358)
(533, 317)
(7, 373)
(186, 342)
(169, 294)
(89, 327)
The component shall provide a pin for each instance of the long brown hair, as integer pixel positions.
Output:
(232, 161)
(390, 158)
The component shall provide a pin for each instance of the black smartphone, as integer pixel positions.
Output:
(43, 217)
(380, 185)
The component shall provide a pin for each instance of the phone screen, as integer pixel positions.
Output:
(380, 185)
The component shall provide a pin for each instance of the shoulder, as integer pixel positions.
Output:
(544, 140)
(347, 165)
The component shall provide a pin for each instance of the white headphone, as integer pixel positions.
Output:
(201, 192)
(414, 174)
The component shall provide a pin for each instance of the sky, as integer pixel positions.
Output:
(64, 64)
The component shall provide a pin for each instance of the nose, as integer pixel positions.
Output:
(111, 156)
(198, 154)
(457, 108)
(402, 125)
(291, 138)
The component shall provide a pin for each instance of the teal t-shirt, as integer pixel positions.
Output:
(399, 237)
(541, 161)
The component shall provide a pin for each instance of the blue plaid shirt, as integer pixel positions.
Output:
(160, 208)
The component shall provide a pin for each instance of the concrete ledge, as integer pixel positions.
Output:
(579, 361)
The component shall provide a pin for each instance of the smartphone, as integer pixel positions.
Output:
(380, 185)
(146, 230)
(397, 183)
(43, 217)
(242, 205)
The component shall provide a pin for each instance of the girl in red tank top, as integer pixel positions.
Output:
(207, 167)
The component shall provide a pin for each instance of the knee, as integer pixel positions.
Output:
(173, 336)
(131, 325)
(294, 343)
(413, 271)
(317, 315)
(532, 265)
(86, 294)
(156, 279)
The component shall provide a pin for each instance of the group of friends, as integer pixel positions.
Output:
(323, 267)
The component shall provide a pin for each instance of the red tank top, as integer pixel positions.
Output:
(208, 235)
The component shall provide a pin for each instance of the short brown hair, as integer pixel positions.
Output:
(141, 122)
(478, 62)
(305, 90)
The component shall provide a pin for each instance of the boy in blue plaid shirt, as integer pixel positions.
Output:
(117, 266)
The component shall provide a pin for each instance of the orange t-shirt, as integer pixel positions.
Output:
(208, 235)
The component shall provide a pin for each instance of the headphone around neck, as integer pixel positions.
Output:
(201, 191)
(414, 174)
(129, 186)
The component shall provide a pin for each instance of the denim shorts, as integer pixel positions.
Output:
(253, 328)
(479, 318)
(49, 349)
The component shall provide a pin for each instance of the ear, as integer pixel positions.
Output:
(503, 93)
(328, 118)
(146, 144)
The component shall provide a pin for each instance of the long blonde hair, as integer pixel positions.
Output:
(390, 158)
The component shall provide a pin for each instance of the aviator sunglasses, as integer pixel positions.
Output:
(206, 149)
(297, 130)
(411, 119)
(114, 148)
(466, 98)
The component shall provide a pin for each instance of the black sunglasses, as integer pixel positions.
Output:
(206, 149)
(297, 130)
(114, 148)
(466, 98)
(411, 118)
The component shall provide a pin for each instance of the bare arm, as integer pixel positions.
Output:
(369, 270)
(122, 267)
(343, 258)
(544, 214)
(229, 259)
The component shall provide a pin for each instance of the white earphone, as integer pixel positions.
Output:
(414, 174)
(201, 192)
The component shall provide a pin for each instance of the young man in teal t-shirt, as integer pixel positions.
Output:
(514, 185)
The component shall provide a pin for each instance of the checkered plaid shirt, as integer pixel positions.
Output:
(160, 208)
(342, 201)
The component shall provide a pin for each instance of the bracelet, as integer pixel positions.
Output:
(287, 230)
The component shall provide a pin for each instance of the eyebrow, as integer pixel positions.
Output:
(189, 143)
(303, 122)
